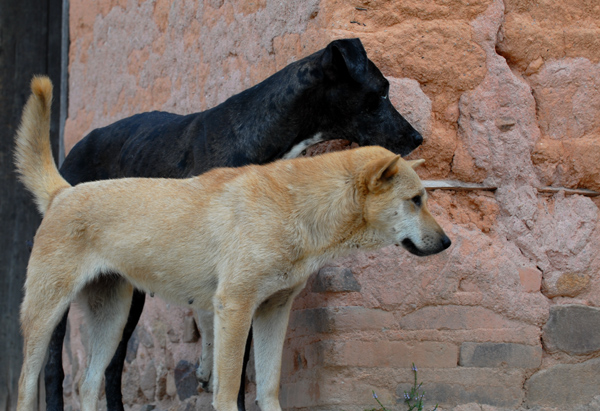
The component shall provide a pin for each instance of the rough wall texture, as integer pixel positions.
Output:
(506, 92)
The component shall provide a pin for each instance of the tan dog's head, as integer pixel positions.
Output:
(396, 206)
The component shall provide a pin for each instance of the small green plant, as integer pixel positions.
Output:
(413, 398)
(380, 404)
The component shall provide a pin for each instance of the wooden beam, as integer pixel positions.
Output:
(456, 185)
(568, 191)
(464, 186)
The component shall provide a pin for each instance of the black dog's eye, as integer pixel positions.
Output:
(416, 200)
(372, 102)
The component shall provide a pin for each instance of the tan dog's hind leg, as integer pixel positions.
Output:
(41, 311)
(205, 321)
(270, 326)
(106, 302)
(233, 316)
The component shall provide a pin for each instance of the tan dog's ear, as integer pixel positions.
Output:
(415, 163)
(379, 173)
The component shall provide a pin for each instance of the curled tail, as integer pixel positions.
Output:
(33, 154)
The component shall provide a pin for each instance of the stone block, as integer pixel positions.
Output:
(310, 321)
(185, 380)
(499, 354)
(339, 319)
(131, 384)
(456, 386)
(190, 330)
(132, 346)
(171, 388)
(188, 405)
(574, 329)
(335, 280)
(347, 319)
(173, 335)
(329, 390)
(161, 384)
(438, 393)
(391, 354)
(145, 337)
(572, 284)
(453, 317)
(148, 381)
(564, 385)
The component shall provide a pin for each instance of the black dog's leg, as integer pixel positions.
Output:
(114, 371)
(241, 403)
(53, 373)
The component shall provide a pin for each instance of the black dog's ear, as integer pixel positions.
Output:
(345, 58)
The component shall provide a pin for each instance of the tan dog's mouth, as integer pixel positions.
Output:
(409, 246)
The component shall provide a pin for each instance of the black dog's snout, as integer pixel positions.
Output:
(417, 138)
(446, 242)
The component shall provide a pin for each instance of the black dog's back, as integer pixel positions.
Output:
(144, 145)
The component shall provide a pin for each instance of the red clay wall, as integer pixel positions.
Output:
(506, 93)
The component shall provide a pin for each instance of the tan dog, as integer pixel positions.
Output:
(256, 232)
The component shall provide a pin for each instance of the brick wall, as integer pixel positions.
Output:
(506, 93)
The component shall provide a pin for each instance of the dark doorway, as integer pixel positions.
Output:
(33, 40)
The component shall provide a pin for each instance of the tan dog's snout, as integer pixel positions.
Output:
(429, 238)
(432, 244)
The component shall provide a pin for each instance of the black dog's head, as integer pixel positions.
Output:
(356, 104)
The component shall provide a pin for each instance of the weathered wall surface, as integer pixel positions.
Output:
(506, 93)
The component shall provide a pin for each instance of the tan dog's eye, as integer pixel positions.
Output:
(416, 200)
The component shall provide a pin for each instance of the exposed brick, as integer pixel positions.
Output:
(391, 354)
(574, 329)
(564, 385)
(335, 280)
(453, 317)
(531, 279)
(499, 354)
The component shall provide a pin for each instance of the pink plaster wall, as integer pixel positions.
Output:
(505, 92)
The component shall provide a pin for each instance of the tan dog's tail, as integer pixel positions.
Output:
(33, 154)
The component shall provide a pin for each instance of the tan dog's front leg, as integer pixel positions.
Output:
(270, 326)
(233, 316)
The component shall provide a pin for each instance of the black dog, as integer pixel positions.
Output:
(335, 93)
